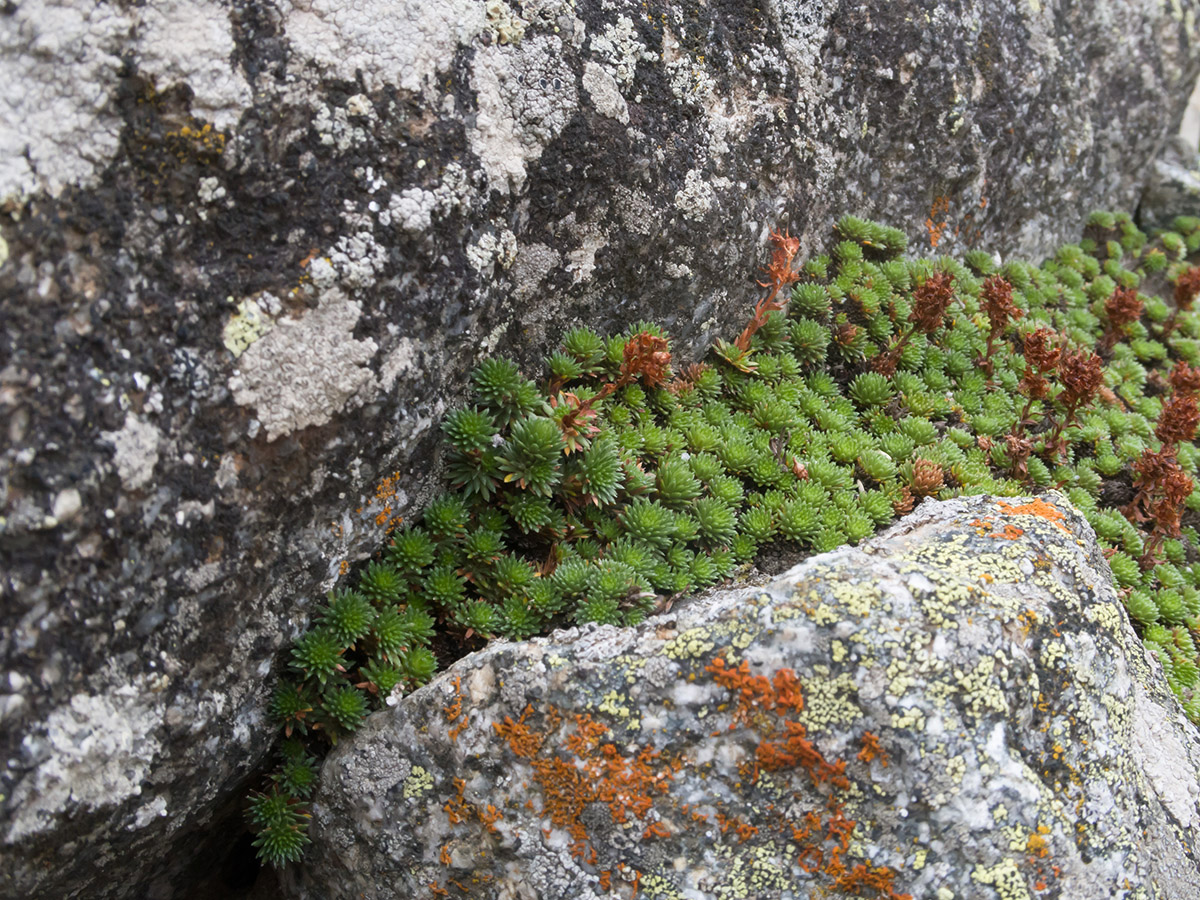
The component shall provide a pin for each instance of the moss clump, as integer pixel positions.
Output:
(624, 479)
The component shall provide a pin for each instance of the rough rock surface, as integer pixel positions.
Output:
(1174, 188)
(249, 250)
(956, 709)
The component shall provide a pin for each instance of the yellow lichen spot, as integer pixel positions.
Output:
(612, 704)
(691, 644)
(742, 640)
(1036, 844)
(858, 599)
(824, 614)
(956, 768)
(655, 885)
(918, 862)
(945, 894)
(1106, 616)
(1052, 652)
(1004, 877)
(245, 327)
(417, 783)
(1000, 813)
(839, 651)
(912, 718)
(828, 701)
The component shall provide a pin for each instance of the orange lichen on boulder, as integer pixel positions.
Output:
(864, 878)
(454, 712)
(871, 749)
(764, 705)
(1037, 507)
(596, 771)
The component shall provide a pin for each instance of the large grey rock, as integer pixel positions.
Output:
(1174, 187)
(248, 252)
(1025, 743)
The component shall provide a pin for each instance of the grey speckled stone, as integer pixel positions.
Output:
(249, 251)
(1027, 742)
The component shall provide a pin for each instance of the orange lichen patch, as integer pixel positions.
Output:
(457, 808)
(796, 750)
(863, 878)
(819, 842)
(521, 740)
(489, 816)
(871, 749)
(379, 507)
(438, 890)
(656, 829)
(1037, 845)
(936, 228)
(454, 712)
(757, 692)
(637, 880)
(444, 856)
(460, 810)
(1008, 532)
(589, 770)
(1037, 507)
(744, 830)
(606, 880)
(343, 567)
(587, 735)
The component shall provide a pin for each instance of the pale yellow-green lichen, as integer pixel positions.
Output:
(1017, 836)
(899, 681)
(417, 783)
(978, 688)
(245, 327)
(1108, 617)
(614, 704)
(829, 701)
(1052, 652)
(694, 643)
(857, 599)
(657, 886)
(912, 718)
(824, 614)
(754, 872)
(839, 650)
(1005, 877)
(743, 640)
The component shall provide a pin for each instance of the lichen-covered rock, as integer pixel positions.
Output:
(249, 251)
(957, 708)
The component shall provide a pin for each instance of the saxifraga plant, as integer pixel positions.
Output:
(875, 381)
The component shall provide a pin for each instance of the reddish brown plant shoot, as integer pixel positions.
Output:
(779, 274)
(1081, 373)
(1000, 309)
(1185, 379)
(1122, 308)
(931, 299)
